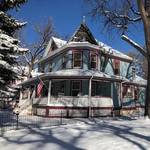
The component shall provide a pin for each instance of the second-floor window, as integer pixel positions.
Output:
(50, 67)
(93, 62)
(77, 59)
(116, 65)
(64, 61)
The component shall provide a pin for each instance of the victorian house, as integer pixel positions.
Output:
(82, 77)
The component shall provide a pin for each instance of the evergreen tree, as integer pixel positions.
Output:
(9, 46)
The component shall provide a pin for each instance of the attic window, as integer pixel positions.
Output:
(77, 59)
(53, 47)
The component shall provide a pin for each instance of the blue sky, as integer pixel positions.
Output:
(66, 16)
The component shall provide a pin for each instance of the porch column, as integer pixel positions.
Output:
(89, 99)
(112, 92)
(29, 92)
(121, 93)
(20, 97)
(29, 110)
(33, 98)
(49, 91)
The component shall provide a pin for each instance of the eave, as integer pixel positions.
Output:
(81, 45)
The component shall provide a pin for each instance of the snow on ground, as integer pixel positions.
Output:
(83, 134)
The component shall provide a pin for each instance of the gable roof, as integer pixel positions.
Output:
(82, 37)
(57, 41)
(83, 34)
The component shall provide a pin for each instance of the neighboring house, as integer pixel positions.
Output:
(83, 77)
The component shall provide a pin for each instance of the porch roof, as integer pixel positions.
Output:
(73, 74)
(80, 74)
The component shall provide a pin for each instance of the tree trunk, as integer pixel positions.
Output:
(147, 41)
(144, 9)
(147, 99)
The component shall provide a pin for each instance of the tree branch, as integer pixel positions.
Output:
(135, 45)
(133, 9)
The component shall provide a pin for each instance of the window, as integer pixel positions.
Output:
(46, 69)
(41, 67)
(25, 94)
(64, 60)
(116, 65)
(45, 90)
(77, 59)
(58, 88)
(76, 88)
(101, 89)
(136, 93)
(50, 67)
(53, 46)
(127, 91)
(93, 89)
(93, 61)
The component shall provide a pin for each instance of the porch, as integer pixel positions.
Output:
(77, 93)
(70, 98)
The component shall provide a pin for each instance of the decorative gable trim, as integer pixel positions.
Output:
(83, 34)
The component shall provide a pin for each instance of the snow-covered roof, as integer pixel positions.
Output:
(59, 42)
(62, 45)
(35, 73)
(79, 72)
(83, 33)
(111, 51)
(139, 80)
(73, 73)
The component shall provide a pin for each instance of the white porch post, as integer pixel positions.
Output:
(49, 92)
(33, 98)
(29, 92)
(20, 98)
(89, 98)
(112, 90)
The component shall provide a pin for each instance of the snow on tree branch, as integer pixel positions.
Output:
(135, 45)
(11, 22)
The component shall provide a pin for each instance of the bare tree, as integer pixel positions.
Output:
(121, 15)
(44, 32)
(140, 63)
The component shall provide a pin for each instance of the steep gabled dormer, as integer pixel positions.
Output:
(53, 44)
(83, 34)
